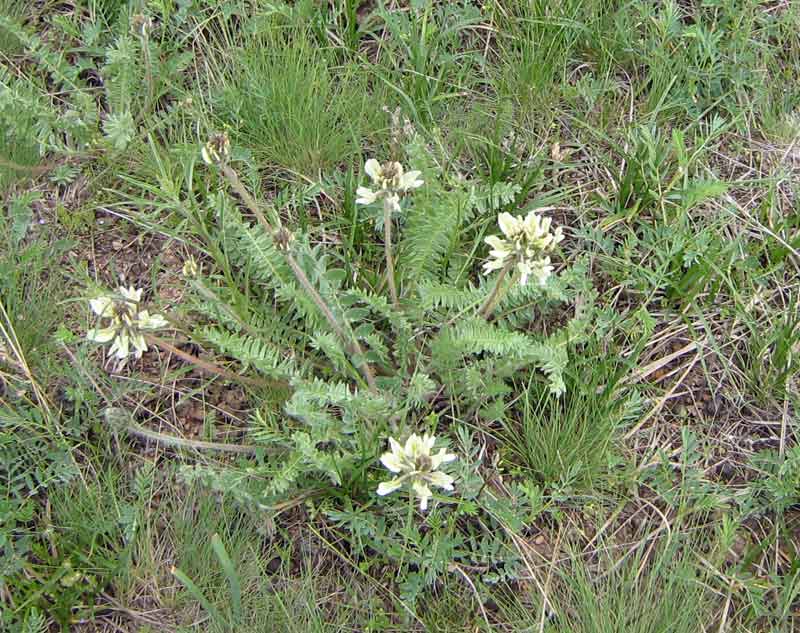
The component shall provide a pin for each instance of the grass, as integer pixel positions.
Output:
(569, 441)
(287, 100)
(626, 435)
(652, 589)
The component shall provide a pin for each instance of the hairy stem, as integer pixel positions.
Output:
(353, 348)
(388, 206)
(491, 301)
(172, 440)
(244, 194)
(350, 342)
(121, 419)
(148, 74)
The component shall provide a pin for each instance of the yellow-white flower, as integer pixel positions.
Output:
(414, 464)
(190, 267)
(124, 322)
(390, 179)
(217, 150)
(525, 242)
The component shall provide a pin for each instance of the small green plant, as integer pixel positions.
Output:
(656, 592)
(233, 618)
(290, 106)
(777, 487)
(769, 358)
(13, 11)
(570, 442)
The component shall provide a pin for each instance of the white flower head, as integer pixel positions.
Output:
(217, 150)
(190, 267)
(416, 465)
(124, 323)
(525, 243)
(391, 179)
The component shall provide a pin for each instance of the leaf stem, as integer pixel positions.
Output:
(491, 301)
(351, 344)
(244, 194)
(388, 207)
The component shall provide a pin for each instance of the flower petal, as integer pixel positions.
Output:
(510, 226)
(543, 270)
(415, 447)
(365, 195)
(373, 169)
(121, 345)
(102, 306)
(131, 294)
(544, 224)
(101, 335)
(524, 268)
(493, 264)
(393, 202)
(499, 253)
(498, 243)
(442, 457)
(146, 321)
(395, 446)
(139, 344)
(423, 492)
(392, 462)
(410, 180)
(442, 480)
(387, 487)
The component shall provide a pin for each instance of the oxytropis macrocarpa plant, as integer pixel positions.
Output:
(357, 368)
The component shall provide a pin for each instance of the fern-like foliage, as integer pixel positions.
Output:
(251, 352)
(490, 200)
(433, 224)
(430, 232)
(123, 73)
(512, 350)
(439, 296)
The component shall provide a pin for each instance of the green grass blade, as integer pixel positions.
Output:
(198, 595)
(230, 573)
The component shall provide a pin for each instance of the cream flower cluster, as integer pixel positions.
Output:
(415, 465)
(125, 322)
(217, 150)
(390, 179)
(525, 243)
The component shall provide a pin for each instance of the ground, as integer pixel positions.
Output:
(620, 432)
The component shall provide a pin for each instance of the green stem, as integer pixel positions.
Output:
(353, 348)
(244, 194)
(495, 296)
(148, 74)
(387, 246)
(409, 520)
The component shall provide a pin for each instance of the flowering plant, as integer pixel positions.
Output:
(124, 322)
(391, 180)
(525, 243)
(417, 466)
